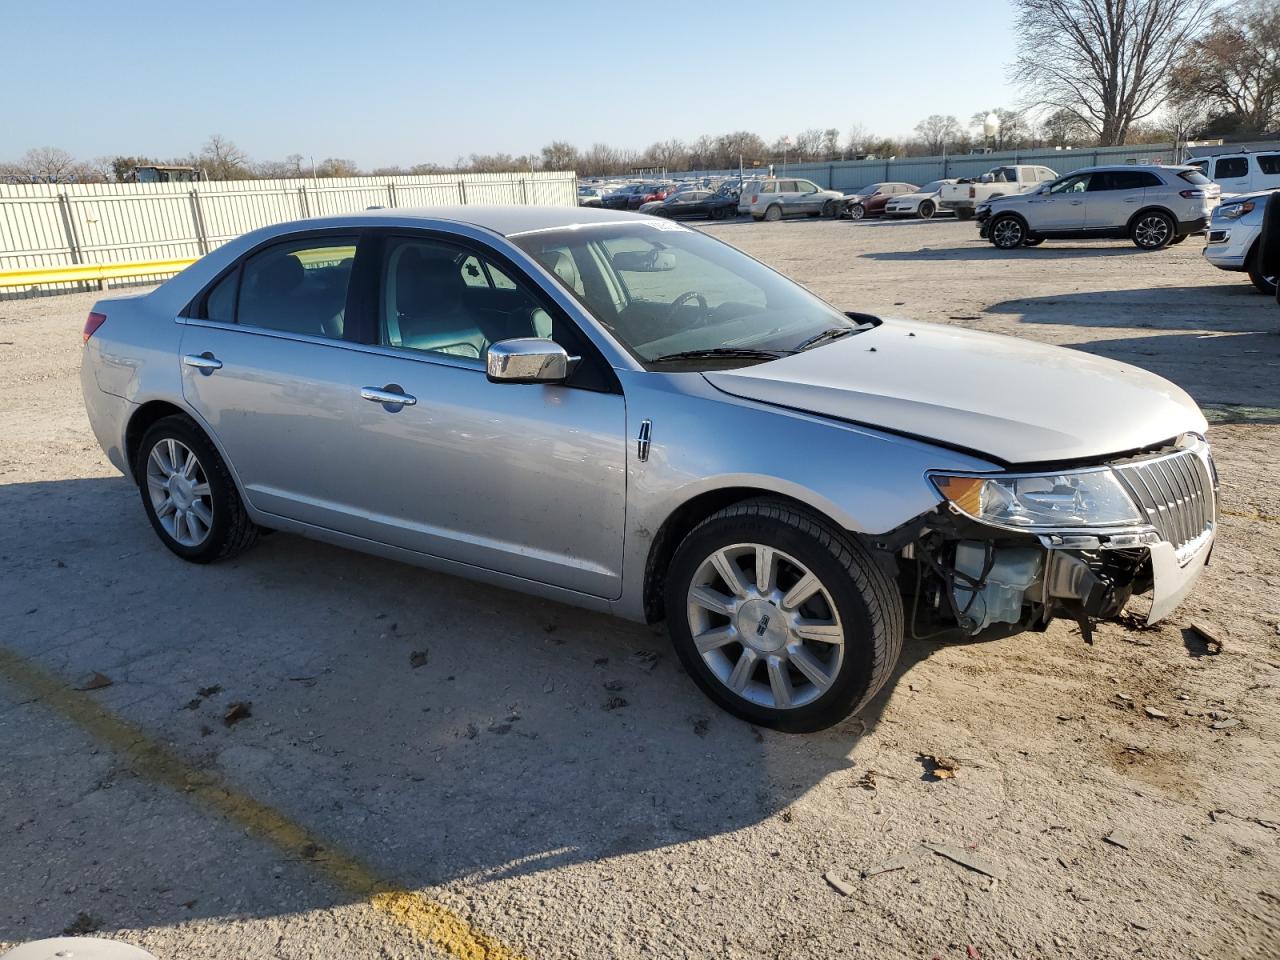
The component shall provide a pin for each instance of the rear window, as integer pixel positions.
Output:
(1194, 176)
(1269, 163)
(1231, 167)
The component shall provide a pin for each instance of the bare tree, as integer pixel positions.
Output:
(831, 144)
(1062, 128)
(223, 160)
(1235, 66)
(1013, 130)
(858, 139)
(809, 144)
(47, 163)
(670, 154)
(559, 155)
(1106, 61)
(937, 131)
(337, 167)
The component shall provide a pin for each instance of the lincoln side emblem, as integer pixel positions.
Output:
(762, 626)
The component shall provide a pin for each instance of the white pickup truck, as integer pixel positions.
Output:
(963, 196)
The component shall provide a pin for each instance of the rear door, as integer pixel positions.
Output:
(1114, 196)
(264, 365)
(1232, 174)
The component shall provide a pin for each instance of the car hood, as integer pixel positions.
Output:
(1009, 399)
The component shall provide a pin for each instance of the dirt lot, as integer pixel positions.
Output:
(371, 808)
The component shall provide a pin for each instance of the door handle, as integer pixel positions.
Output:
(1132, 200)
(1076, 203)
(391, 396)
(204, 362)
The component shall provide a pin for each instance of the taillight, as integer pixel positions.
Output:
(92, 324)
(1193, 194)
(755, 198)
(973, 192)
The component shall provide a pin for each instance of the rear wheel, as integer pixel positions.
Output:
(857, 211)
(188, 493)
(1153, 230)
(773, 213)
(1263, 282)
(781, 618)
(1007, 232)
(927, 210)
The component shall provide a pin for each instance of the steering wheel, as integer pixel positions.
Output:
(680, 301)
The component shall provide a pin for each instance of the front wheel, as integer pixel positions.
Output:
(1264, 283)
(189, 495)
(773, 213)
(781, 618)
(857, 211)
(829, 209)
(1007, 232)
(927, 210)
(1153, 230)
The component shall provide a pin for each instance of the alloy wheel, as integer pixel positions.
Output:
(765, 626)
(1152, 231)
(1007, 233)
(857, 211)
(180, 493)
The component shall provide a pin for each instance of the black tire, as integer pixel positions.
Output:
(1007, 232)
(926, 210)
(866, 600)
(1178, 238)
(964, 213)
(1261, 282)
(773, 213)
(857, 211)
(231, 531)
(1152, 230)
(829, 210)
(1033, 241)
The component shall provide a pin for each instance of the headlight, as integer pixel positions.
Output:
(1234, 211)
(1091, 498)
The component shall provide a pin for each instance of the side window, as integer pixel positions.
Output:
(1231, 168)
(806, 187)
(220, 302)
(298, 287)
(770, 187)
(1072, 185)
(1269, 163)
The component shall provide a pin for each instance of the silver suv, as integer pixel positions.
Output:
(1153, 206)
(775, 199)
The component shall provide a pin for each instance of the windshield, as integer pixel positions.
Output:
(933, 187)
(663, 289)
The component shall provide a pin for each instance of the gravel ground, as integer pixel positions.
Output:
(493, 779)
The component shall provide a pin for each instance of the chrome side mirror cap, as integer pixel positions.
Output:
(526, 360)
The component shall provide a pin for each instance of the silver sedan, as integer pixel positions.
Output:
(619, 412)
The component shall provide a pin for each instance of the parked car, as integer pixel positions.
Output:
(1242, 172)
(694, 203)
(749, 188)
(963, 197)
(1152, 205)
(786, 197)
(1234, 233)
(923, 203)
(634, 417)
(626, 198)
(590, 197)
(655, 191)
(871, 200)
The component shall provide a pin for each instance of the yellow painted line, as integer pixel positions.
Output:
(421, 916)
(33, 276)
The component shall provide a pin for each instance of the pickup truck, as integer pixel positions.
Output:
(963, 196)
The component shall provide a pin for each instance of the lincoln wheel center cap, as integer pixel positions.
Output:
(181, 490)
(761, 626)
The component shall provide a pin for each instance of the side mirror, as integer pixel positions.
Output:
(526, 360)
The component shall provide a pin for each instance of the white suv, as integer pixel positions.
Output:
(1242, 172)
(1152, 205)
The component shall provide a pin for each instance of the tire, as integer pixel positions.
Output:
(1178, 238)
(964, 213)
(1152, 230)
(1262, 283)
(757, 219)
(829, 210)
(926, 210)
(857, 211)
(1033, 241)
(222, 528)
(1007, 232)
(853, 599)
(773, 213)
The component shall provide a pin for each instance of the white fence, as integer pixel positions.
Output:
(54, 225)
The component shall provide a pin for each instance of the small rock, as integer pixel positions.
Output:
(310, 850)
(613, 685)
(1224, 724)
(969, 860)
(899, 861)
(1118, 839)
(207, 692)
(1210, 637)
(240, 710)
(700, 725)
(82, 924)
(615, 703)
(646, 660)
(1124, 696)
(838, 884)
(1155, 714)
(499, 728)
(94, 681)
(418, 658)
(940, 768)
(699, 888)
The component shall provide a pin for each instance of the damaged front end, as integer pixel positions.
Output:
(1009, 552)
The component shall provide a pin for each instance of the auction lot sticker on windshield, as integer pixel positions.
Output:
(660, 224)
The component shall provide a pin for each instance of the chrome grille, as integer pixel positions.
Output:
(1175, 492)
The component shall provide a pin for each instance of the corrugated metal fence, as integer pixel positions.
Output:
(48, 225)
(850, 174)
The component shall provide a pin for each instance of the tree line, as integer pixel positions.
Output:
(1093, 72)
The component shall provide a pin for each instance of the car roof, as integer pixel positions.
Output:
(507, 220)
(1108, 167)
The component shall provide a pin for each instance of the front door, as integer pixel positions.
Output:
(1061, 208)
(524, 479)
(264, 365)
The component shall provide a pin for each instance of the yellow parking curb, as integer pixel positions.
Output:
(421, 916)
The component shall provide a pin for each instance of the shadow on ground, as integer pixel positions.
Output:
(504, 752)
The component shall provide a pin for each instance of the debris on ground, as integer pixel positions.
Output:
(615, 703)
(1224, 724)
(838, 884)
(613, 686)
(240, 710)
(207, 692)
(500, 728)
(899, 861)
(1118, 838)
(700, 726)
(646, 660)
(940, 768)
(94, 681)
(82, 924)
(310, 850)
(868, 781)
(472, 731)
(418, 658)
(1207, 635)
(1155, 714)
(969, 860)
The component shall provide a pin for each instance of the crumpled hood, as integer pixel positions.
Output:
(1013, 400)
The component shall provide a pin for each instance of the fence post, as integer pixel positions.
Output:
(462, 191)
(391, 193)
(303, 206)
(886, 170)
(524, 191)
(946, 167)
(68, 225)
(197, 219)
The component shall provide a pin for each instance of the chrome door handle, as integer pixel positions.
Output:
(390, 395)
(205, 361)
(1076, 203)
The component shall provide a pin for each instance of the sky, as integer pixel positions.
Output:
(388, 82)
